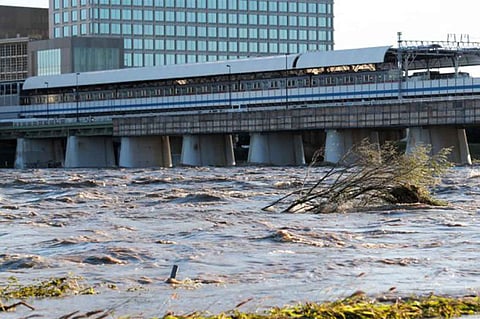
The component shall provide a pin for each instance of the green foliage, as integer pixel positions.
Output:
(360, 307)
(54, 287)
(370, 175)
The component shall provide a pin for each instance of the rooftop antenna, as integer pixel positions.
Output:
(451, 37)
(465, 38)
(399, 41)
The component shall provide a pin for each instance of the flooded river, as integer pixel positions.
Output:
(123, 230)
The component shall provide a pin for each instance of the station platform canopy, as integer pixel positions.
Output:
(413, 56)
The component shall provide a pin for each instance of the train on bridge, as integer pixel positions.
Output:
(312, 79)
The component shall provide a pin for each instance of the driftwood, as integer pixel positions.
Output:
(370, 176)
(5, 308)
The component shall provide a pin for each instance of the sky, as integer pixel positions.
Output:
(365, 23)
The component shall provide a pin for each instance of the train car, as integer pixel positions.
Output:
(312, 79)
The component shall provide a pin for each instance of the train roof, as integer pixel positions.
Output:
(180, 71)
(433, 57)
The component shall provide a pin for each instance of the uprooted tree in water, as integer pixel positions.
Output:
(368, 176)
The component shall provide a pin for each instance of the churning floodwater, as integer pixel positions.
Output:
(122, 230)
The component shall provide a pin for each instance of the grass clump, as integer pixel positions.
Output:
(361, 307)
(54, 287)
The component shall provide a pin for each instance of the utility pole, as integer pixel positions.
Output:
(229, 85)
(77, 96)
(46, 85)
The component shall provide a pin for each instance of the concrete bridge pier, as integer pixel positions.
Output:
(440, 137)
(39, 153)
(89, 151)
(207, 150)
(280, 148)
(145, 151)
(339, 142)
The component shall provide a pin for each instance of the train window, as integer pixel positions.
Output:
(330, 80)
(349, 80)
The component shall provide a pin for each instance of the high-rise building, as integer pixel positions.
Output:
(18, 27)
(159, 32)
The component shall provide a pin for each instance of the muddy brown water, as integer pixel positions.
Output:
(125, 229)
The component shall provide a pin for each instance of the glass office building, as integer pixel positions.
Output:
(159, 32)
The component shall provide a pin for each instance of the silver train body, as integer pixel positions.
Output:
(276, 83)
(253, 100)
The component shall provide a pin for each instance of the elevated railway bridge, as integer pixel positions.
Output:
(286, 105)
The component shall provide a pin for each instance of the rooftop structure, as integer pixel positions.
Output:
(75, 54)
(23, 22)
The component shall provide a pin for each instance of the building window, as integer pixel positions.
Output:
(126, 14)
(127, 59)
(137, 59)
(137, 44)
(137, 29)
(115, 27)
(104, 14)
(159, 59)
(126, 29)
(212, 46)
(180, 45)
(148, 59)
(170, 30)
(232, 32)
(181, 30)
(49, 62)
(104, 28)
(115, 14)
(148, 15)
(137, 15)
(148, 29)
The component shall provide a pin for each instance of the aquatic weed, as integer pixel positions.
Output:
(360, 307)
(53, 287)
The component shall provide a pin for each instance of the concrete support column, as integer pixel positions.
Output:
(89, 151)
(440, 137)
(39, 153)
(145, 151)
(339, 142)
(282, 148)
(207, 150)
